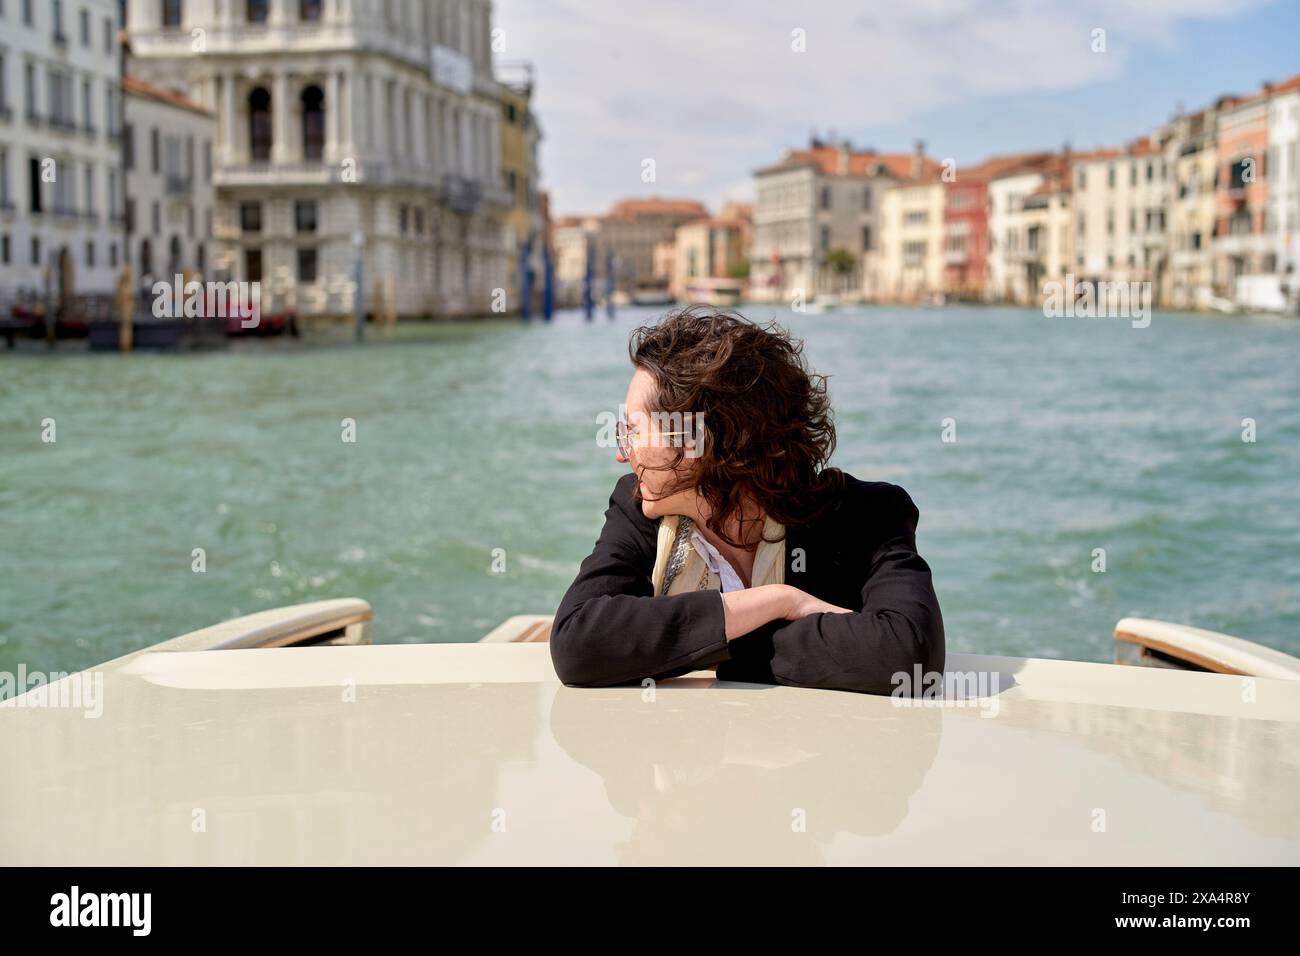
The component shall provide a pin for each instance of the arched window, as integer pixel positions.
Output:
(258, 10)
(259, 124)
(313, 123)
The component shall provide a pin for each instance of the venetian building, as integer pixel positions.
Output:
(345, 129)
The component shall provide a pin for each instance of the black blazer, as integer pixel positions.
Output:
(611, 629)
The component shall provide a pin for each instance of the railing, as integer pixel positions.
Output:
(179, 185)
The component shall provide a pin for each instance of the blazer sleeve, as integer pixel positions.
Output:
(611, 629)
(898, 626)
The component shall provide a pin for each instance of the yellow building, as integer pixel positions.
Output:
(710, 248)
(909, 266)
(521, 179)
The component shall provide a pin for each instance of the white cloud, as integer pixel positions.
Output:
(711, 90)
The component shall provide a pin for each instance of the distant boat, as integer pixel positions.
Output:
(825, 302)
(652, 292)
(722, 293)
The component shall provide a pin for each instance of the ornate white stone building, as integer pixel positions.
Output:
(344, 126)
(61, 192)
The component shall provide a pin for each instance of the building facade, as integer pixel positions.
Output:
(346, 130)
(710, 248)
(167, 157)
(61, 189)
(521, 137)
(632, 229)
(911, 260)
(817, 219)
(1121, 200)
(1191, 151)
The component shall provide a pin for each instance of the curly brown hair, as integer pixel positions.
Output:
(767, 423)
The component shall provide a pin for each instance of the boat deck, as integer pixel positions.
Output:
(476, 754)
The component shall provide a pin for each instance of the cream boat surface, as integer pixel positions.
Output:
(224, 748)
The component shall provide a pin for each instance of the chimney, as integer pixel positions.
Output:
(918, 159)
(842, 157)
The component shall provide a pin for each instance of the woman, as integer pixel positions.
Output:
(731, 544)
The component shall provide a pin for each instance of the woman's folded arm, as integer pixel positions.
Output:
(611, 629)
(897, 626)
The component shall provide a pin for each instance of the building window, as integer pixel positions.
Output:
(250, 216)
(112, 255)
(1110, 175)
(826, 238)
(34, 199)
(146, 258)
(304, 215)
(826, 197)
(128, 147)
(200, 258)
(90, 253)
(155, 151)
(866, 197)
(866, 238)
(36, 250)
(307, 265)
(257, 11)
(171, 13)
(4, 249)
(313, 123)
(309, 11)
(252, 265)
(259, 124)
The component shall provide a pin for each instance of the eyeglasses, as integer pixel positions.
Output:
(623, 435)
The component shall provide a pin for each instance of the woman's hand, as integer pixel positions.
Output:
(801, 604)
(751, 608)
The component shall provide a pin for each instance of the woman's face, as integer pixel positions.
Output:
(651, 454)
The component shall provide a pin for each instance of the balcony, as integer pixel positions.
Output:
(6, 114)
(63, 124)
(179, 186)
(276, 174)
(463, 195)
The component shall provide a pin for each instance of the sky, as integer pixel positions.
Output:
(711, 90)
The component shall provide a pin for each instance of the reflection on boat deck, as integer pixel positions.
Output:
(475, 754)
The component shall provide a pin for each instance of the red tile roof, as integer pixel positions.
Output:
(827, 159)
(656, 206)
(136, 87)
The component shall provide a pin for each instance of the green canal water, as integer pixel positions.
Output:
(1071, 435)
